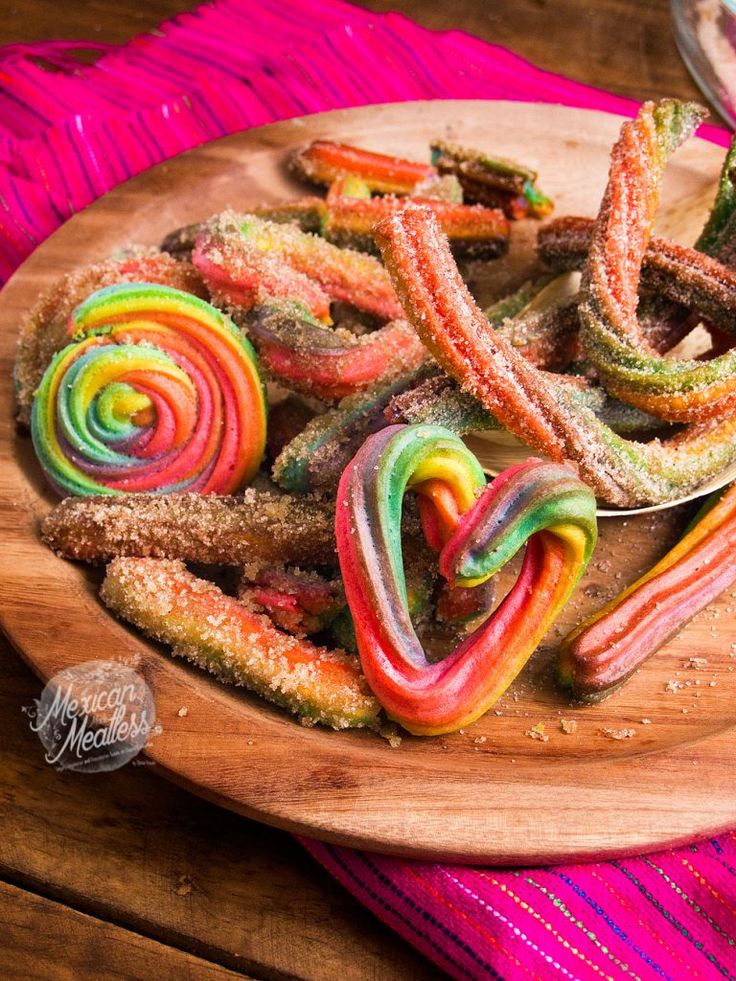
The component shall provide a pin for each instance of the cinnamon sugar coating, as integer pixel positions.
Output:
(207, 529)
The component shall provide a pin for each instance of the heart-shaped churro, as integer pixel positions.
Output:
(478, 529)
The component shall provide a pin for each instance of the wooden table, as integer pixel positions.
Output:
(123, 875)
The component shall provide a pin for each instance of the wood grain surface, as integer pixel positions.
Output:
(72, 944)
(491, 794)
(129, 849)
(252, 897)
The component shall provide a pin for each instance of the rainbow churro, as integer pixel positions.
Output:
(160, 392)
(609, 646)
(245, 260)
(329, 364)
(323, 162)
(677, 390)
(541, 504)
(217, 633)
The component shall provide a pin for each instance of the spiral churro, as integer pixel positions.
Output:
(46, 329)
(159, 392)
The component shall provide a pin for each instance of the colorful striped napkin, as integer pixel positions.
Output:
(69, 132)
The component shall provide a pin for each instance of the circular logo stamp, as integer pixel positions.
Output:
(94, 717)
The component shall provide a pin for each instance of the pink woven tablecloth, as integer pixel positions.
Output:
(67, 137)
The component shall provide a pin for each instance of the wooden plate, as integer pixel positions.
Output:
(492, 793)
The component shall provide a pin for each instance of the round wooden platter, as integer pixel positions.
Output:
(492, 793)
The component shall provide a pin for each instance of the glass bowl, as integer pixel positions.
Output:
(705, 31)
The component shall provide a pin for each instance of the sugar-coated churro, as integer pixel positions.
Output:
(542, 505)
(609, 646)
(329, 364)
(524, 400)
(206, 529)
(246, 260)
(678, 390)
(218, 634)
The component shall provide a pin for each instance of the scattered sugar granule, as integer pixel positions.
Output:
(646, 722)
(673, 685)
(618, 733)
(183, 711)
(696, 663)
(568, 726)
(183, 885)
(391, 735)
(537, 732)
(480, 739)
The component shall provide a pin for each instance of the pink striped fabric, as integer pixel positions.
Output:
(68, 133)
(669, 915)
(67, 138)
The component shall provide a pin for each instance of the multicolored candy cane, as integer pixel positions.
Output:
(160, 392)
(539, 504)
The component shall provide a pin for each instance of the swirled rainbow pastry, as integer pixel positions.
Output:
(158, 392)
